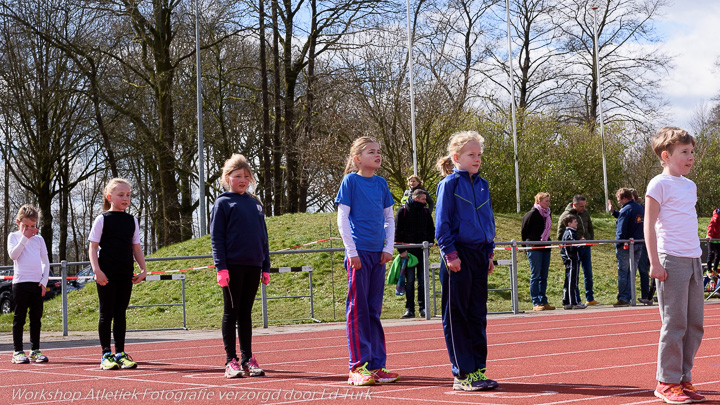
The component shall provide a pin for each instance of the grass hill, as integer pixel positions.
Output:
(204, 299)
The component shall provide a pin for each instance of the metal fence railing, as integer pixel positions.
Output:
(512, 246)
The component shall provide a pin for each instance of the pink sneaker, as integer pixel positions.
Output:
(233, 369)
(691, 392)
(361, 376)
(382, 375)
(672, 393)
(252, 368)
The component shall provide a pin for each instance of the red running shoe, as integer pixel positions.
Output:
(672, 393)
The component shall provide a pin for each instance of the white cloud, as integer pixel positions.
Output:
(692, 32)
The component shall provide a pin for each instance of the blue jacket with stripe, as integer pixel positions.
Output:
(464, 213)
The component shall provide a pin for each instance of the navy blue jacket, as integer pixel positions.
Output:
(570, 253)
(630, 222)
(238, 233)
(463, 213)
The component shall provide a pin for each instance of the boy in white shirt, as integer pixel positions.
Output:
(671, 237)
(31, 270)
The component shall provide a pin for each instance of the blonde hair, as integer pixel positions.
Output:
(355, 150)
(668, 137)
(417, 178)
(457, 142)
(236, 162)
(539, 196)
(28, 211)
(110, 187)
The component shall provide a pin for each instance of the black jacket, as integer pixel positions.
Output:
(533, 225)
(570, 253)
(413, 224)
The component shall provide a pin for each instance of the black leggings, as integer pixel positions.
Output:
(27, 296)
(713, 256)
(239, 297)
(114, 298)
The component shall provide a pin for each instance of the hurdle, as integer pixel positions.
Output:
(264, 297)
(163, 277)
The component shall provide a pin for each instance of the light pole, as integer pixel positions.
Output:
(412, 89)
(600, 108)
(512, 107)
(201, 148)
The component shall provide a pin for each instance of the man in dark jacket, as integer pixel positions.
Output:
(414, 224)
(629, 225)
(584, 231)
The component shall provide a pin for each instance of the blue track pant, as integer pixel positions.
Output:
(366, 285)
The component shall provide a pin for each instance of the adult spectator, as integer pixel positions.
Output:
(643, 265)
(414, 224)
(536, 226)
(414, 182)
(585, 231)
(629, 225)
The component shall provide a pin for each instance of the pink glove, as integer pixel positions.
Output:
(223, 277)
(265, 278)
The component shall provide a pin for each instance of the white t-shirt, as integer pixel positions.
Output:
(30, 258)
(677, 223)
(97, 228)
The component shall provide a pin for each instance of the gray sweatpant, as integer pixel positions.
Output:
(680, 299)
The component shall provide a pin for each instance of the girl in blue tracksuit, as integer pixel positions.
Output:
(239, 240)
(367, 228)
(465, 229)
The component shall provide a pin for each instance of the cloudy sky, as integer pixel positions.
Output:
(691, 29)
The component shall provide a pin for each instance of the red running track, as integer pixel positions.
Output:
(604, 356)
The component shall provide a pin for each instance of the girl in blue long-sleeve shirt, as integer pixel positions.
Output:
(367, 227)
(465, 230)
(240, 250)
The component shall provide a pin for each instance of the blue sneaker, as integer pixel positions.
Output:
(38, 357)
(490, 384)
(124, 360)
(19, 358)
(108, 362)
(476, 381)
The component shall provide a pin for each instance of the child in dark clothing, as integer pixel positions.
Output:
(465, 233)
(571, 258)
(239, 240)
(114, 243)
(414, 224)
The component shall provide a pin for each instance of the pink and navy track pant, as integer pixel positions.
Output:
(366, 339)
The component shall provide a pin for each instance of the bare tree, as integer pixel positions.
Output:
(328, 24)
(48, 126)
(539, 67)
(631, 62)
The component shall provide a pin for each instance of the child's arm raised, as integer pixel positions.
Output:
(652, 208)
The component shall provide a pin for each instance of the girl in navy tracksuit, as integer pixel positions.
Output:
(367, 227)
(239, 239)
(465, 229)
